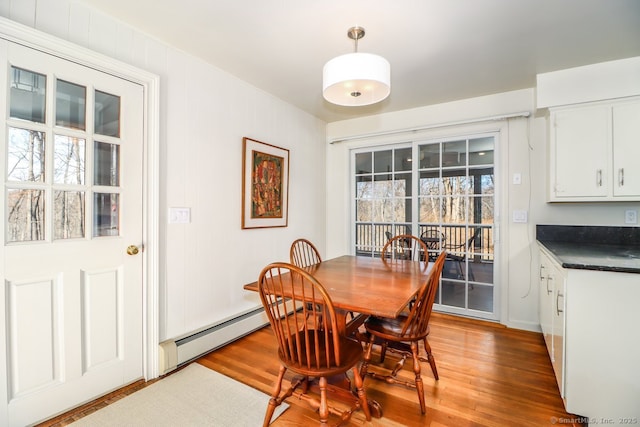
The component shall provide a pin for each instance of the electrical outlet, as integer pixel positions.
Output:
(630, 216)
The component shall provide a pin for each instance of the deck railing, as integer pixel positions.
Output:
(370, 238)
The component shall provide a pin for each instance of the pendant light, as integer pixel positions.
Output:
(356, 79)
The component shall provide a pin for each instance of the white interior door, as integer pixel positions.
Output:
(71, 305)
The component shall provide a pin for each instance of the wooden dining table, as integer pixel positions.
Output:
(367, 286)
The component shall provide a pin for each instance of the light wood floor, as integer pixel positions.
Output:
(489, 376)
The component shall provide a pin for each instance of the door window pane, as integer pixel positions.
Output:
(363, 163)
(454, 153)
(25, 215)
(382, 161)
(25, 155)
(403, 185)
(430, 209)
(69, 209)
(383, 186)
(481, 296)
(364, 210)
(455, 182)
(106, 214)
(107, 114)
(27, 95)
(403, 159)
(453, 293)
(429, 183)
(430, 156)
(364, 187)
(481, 210)
(106, 164)
(68, 160)
(70, 105)
(481, 151)
(454, 210)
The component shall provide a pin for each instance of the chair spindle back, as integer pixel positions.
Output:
(417, 322)
(307, 335)
(404, 247)
(303, 253)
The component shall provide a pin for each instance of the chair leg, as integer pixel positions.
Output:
(430, 359)
(383, 351)
(367, 356)
(324, 406)
(359, 383)
(273, 402)
(416, 370)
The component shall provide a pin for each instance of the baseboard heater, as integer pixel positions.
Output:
(175, 353)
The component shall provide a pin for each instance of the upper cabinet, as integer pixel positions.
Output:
(593, 152)
(594, 131)
(626, 149)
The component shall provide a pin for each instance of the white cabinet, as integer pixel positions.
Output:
(594, 151)
(590, 322)
(626, 149)
(552, 320)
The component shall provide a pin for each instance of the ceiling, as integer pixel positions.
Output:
(439, 50)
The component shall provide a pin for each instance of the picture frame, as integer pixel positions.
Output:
(265, 185)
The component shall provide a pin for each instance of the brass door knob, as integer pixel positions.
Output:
(132, 250)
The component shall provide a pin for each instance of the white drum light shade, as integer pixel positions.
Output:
(356, 79)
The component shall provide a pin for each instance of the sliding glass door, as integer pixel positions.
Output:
(444, 192)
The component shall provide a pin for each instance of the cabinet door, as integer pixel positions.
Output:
(558, 326)
(546, 296)
(626, 149)
(580, 152)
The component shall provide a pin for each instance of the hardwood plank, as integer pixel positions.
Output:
(490, 376)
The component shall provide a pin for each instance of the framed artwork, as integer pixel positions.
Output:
(265, 185)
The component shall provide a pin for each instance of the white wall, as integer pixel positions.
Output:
(204, 114)
(522, 149)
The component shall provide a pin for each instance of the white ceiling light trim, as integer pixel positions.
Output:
(356, 79)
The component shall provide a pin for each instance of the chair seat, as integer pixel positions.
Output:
(350, 353)
(391, 329)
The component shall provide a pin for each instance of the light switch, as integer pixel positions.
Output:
(517, 178)
(179, 215)
(519, 216)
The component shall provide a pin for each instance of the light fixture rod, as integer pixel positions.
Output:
(355, 34)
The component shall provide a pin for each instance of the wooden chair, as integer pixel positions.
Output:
(303, 253)
(404, 247)
(403, 334)
(434, 240)
(460, 259)
(306, 347)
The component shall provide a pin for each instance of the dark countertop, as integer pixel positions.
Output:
(593, 248)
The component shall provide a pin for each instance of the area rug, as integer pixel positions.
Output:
(194, 396)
